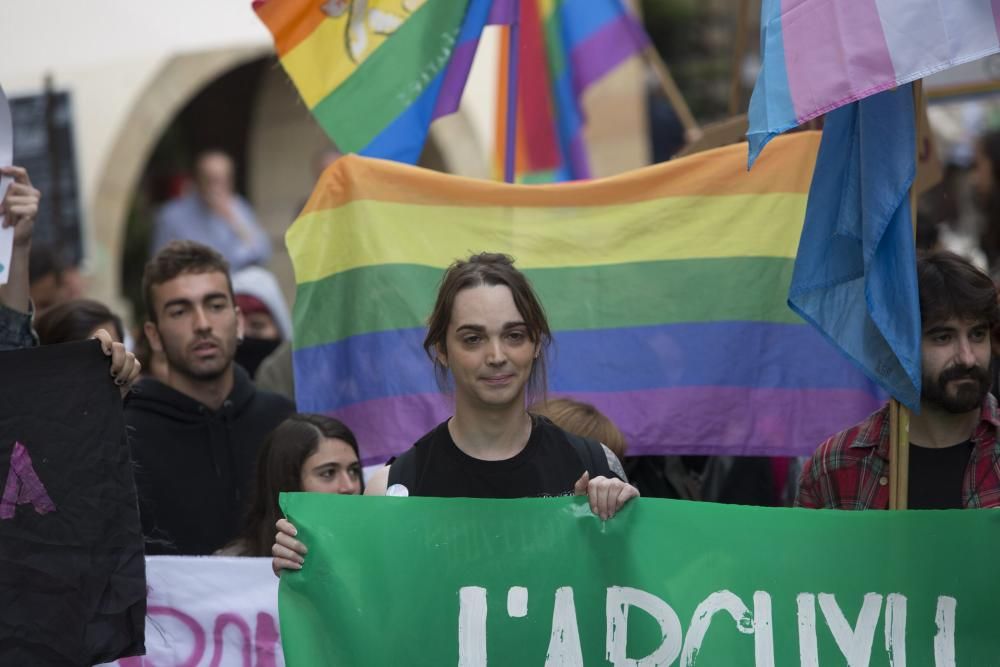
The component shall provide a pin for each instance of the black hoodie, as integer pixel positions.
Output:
(195, 466)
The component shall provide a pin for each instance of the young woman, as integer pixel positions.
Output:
(77, 320)
(488, 334)
(306, 452)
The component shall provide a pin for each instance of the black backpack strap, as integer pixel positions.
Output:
(592, 454)
(403, 470)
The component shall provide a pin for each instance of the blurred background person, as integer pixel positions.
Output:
(276, 373)
(46, 275)
(584, 420)
(986, 193)
(213, 214)
(739, 480)
(77, 320)
(306, 452)
(154, 362)
(265, 316)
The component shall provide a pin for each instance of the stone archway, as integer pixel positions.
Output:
(281, 142)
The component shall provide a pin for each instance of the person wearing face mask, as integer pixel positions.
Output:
(264, 314)
(306, 452)
(955, 441)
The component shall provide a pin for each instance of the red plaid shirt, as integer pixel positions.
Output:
(850, 471)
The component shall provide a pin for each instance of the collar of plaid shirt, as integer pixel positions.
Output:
(876, 433)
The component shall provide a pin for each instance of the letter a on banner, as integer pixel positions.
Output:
(23, 486)
(620, 600)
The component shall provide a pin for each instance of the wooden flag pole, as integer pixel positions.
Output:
(899, 455)
(739, 53)
(512, 78)
(899, 414)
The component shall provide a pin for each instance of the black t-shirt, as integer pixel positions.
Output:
(936, 476)
(549, 465)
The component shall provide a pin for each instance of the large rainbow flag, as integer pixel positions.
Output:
(665, 288)
(565, 47)
(822, 54)
(375, 73)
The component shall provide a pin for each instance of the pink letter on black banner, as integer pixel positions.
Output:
(23, 486)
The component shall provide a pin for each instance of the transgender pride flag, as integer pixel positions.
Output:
(822, 54)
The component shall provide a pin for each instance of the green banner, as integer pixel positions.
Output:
(428, 581)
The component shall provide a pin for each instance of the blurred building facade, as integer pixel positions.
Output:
(149, 84)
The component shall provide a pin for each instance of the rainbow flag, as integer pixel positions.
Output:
(565, 46)
(665, 288)
(375, 73)
(822, 54)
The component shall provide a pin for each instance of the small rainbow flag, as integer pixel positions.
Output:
(665, 288)
(822, 54)
(375, 73)
(565, 47)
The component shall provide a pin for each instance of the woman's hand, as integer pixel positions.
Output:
(607, 495)
(288, 552)
(125, 367)
(20, 207)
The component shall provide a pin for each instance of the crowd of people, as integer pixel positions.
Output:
(211, 422)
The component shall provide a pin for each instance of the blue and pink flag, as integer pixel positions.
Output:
(822, 54)
(855, 274)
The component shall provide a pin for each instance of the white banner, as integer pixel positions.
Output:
(210, 612)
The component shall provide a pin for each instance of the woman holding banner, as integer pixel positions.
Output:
(488, 333)
(306, 452)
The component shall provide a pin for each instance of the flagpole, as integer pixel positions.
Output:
(512, 77)
(899, 414)
(899, 455)
(739, 53)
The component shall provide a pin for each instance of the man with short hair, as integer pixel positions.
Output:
(215, 215)
(195, 436)
(954, 440)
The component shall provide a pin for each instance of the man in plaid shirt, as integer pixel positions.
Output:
(955, 442)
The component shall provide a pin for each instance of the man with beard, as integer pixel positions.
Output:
(195, 436)
(954, 441)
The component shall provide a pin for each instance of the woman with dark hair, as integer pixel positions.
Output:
(77, 320)
(488, 335)
(306, 452)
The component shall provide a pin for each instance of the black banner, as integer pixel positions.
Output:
(72, 573)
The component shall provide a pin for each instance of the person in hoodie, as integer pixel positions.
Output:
(195, 435)
(266, 320)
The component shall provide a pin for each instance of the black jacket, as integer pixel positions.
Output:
(195, 467)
